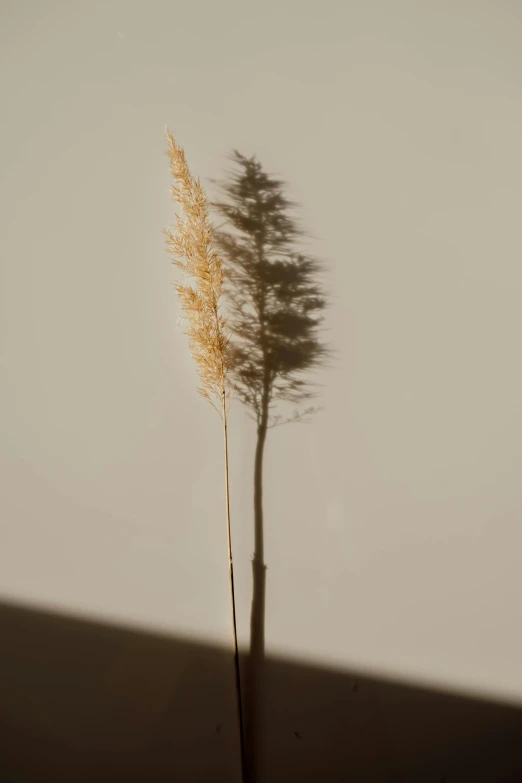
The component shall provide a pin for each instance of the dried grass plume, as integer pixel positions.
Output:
(191, 248)
(192, 251)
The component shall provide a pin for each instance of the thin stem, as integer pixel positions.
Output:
(244, 775)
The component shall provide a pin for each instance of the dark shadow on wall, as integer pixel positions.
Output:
(276, 305)
(83, 701)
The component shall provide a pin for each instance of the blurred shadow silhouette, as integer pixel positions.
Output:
(84, 701)
(276, 305)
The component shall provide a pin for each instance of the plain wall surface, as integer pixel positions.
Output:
(393, 531)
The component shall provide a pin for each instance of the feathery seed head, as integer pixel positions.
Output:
(191, 248)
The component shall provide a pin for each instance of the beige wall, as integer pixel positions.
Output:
(393, 520)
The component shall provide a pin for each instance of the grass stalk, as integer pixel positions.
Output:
(193, 252)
